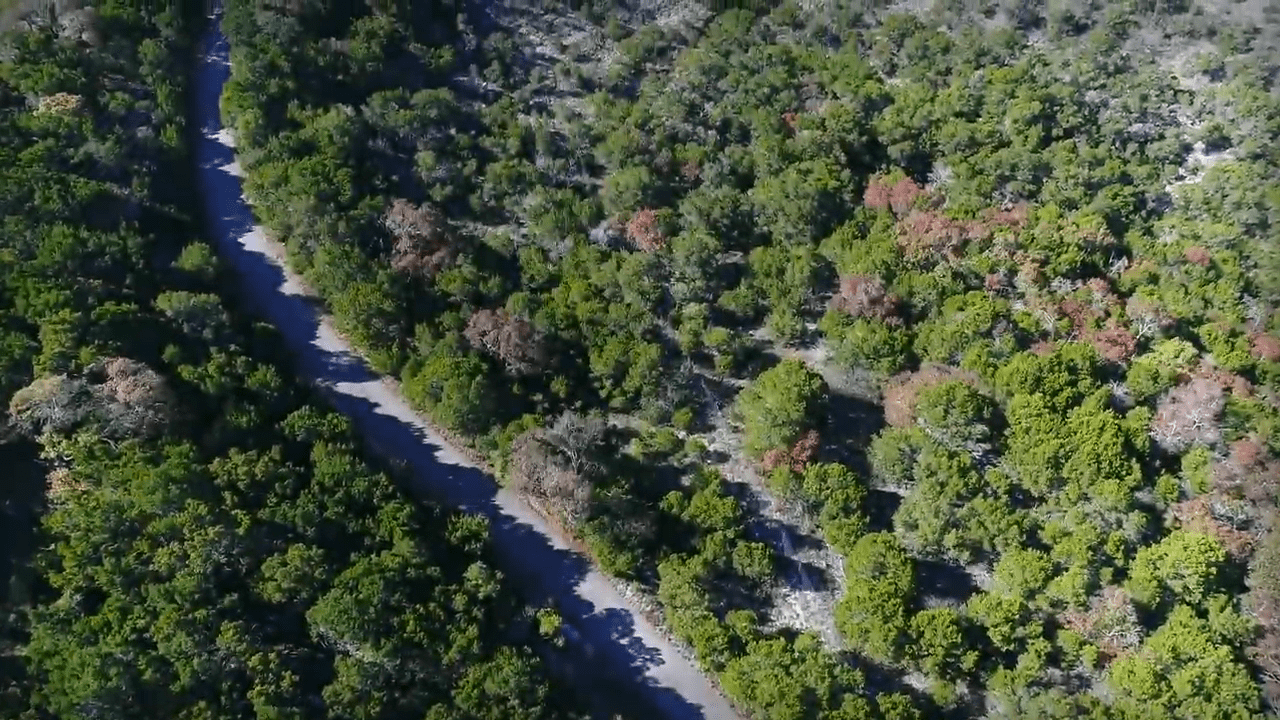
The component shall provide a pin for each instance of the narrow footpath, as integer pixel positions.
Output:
(614, 642)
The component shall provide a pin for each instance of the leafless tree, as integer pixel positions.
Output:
(50, 404)
(1146, 316)
(539, 470)
(1189, 415)
(119, 397)
(578, 438)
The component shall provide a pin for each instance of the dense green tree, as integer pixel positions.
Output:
(873, 615)
(1183, 567)
(1183, 671)
(938, 643)
(782, 403)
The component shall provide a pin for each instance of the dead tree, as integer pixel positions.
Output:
(510, 338)
(1188, 415)
(424, 240)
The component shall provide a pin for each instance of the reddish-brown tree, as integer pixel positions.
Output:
(899, 196)
(1014, 216)
(797, 457)
(1248, 471)
(1236, 384)
(1198, 255)
(901, 390)
(1114, 343)
(424, 242)
(1265, 346)
(510, 338)
(932, 235)
(644, 232)
(1081, 315)
(865, 296)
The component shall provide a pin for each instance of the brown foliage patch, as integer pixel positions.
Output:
(899, 196)
(996, 282)
(510, 338)
(865, 296)
(1030, 274)
(59, 103)
(1198, 255)
(644, 231)
(62, 485)
(1043, 347)
(538, 469)
(1264, 346)
(797, 457)
(1197, 515)
(690, 171)
(902, 389)
(424, 242)
(1110, 622)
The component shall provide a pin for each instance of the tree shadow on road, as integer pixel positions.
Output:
(610, 654)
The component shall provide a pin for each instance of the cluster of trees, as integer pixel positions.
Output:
(988, 215)
(214, 542)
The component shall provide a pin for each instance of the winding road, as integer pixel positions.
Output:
(615, 646)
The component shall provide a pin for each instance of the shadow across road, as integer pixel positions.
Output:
(615, 647)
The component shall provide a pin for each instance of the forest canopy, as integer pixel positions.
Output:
(913, 360)
(936, 346)
(187, 530)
